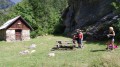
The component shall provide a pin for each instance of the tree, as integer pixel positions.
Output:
(43, 15)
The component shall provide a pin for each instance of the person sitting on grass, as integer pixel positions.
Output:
(111, 36)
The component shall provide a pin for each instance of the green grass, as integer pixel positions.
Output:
(93, 55)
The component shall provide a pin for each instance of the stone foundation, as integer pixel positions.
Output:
(10, 35)
(25, 35)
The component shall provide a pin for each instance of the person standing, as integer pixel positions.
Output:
(75, 37)
(111, 39)
(80, 38)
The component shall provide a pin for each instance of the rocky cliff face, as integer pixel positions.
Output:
(88, 15)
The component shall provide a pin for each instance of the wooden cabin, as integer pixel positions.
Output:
(16, 29)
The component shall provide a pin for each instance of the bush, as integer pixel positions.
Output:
(33, 34)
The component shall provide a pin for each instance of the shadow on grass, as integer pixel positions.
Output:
(63, 48)
(100, 43)
(98, 50)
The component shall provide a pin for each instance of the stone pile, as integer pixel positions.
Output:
(29, 50)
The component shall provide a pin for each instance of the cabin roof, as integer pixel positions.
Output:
(11, 21)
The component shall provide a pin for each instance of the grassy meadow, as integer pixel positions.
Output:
(92, 55)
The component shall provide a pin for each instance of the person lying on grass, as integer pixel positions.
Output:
(110, 36)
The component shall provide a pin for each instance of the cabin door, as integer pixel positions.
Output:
(18, 34)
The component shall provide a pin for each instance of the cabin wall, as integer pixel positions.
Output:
(25, 35)
(10, 35)
(19, 25)
(2, 34)
(19, 30)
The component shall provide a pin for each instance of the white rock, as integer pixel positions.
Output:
(33, 51)
(51, 54)
(25, 52)
(32, 46)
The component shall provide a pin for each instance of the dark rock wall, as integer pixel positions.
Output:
(81, 14)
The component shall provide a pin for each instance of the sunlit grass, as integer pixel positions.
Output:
(92, 55)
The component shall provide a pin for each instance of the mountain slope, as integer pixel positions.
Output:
(5, 4)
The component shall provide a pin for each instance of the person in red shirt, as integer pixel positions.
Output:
(80, 38)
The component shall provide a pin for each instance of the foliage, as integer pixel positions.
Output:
(43, 15)
(47, 14)
(3, 16)
(116, 5)
(117, 29)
